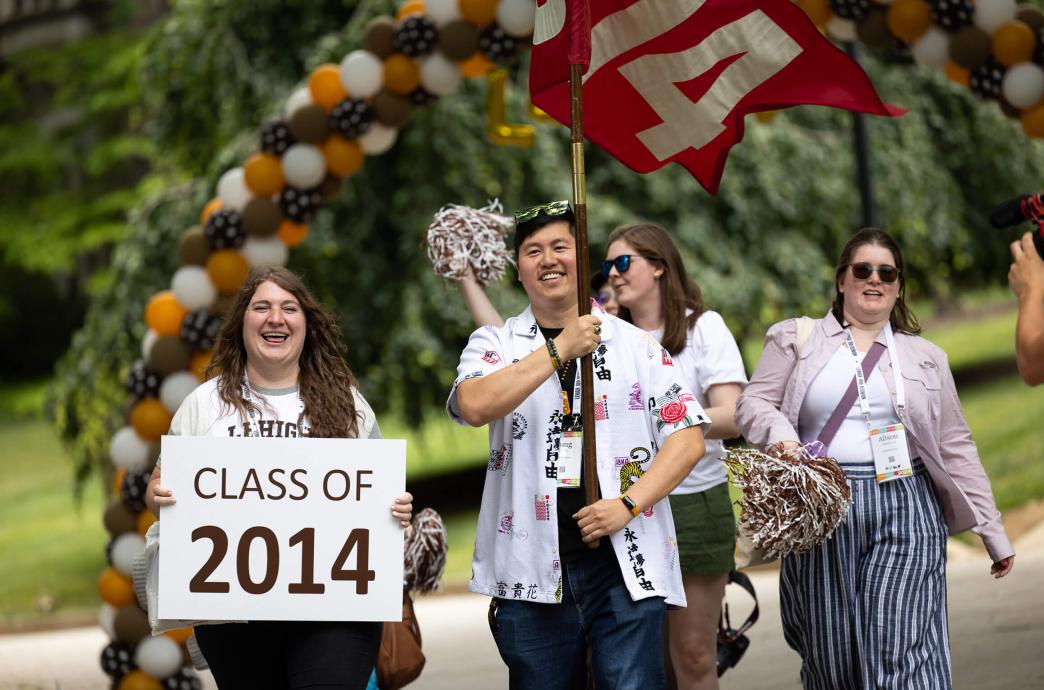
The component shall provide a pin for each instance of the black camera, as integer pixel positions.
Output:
(1026, 207)
(733, 642)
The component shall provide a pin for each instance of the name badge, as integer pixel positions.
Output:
(570, 459)
(891, 453)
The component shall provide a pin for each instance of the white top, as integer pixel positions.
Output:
(852, 442)
(639, 402)
(710, 357)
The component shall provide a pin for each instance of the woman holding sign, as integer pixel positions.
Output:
(867, 607)
(281, 373)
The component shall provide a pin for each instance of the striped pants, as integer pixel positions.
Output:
(866, 609)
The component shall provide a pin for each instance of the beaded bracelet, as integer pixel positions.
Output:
(556, 362)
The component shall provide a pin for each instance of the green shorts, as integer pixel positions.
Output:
(706, 531)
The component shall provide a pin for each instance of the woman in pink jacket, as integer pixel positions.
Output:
(867, 607)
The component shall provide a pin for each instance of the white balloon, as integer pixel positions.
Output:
(841, 29)
(265, 251)
(378, 139)
(175, 388)
(439, 75)
(124, 548)
(192, 287)
(443, 11)
(297, 100)
(147, 342)
(233, 190)
(1023, 85)
(516, 17)
(303, 166)
(932, 49)
(107, 620)
(362, 74)
(158, 656)
(128, 450)
(990, 14)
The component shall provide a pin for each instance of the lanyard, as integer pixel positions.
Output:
(569, 404)
(897, 374)
(255, 428)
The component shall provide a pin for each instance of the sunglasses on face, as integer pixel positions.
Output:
(622, 263)
(553, 208)
(863, 271)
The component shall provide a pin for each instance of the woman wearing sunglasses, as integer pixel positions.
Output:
(655, 293)
(867, 607)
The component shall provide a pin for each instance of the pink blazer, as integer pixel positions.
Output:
(768, 409)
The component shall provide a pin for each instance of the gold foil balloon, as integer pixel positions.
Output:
(499, 130)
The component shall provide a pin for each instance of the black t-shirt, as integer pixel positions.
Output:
(570, 544)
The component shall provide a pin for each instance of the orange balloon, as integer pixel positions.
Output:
(1033, 120)
(199, 363)
(957, 74)
(292, 233)
(163, 314)
(343, 156)
(145, 520)
(212, 205)
(228, 269)
(1013, 42)
(817, 10)
(150, 419)
(115, 588)
(408, 8)
(117, 479)
(478, 12)
(179, 635)
(263, 173)
(477, 65)
(138, 680)
(909, 19)
(401, 74)
(325, 85)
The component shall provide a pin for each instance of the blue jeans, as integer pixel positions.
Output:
(545, 645)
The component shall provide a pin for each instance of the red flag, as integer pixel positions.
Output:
(670, 80)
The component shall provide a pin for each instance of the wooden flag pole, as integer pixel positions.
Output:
(583, 280)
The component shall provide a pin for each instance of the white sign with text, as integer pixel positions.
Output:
(281, 529)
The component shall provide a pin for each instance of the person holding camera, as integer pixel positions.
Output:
(1026, 278)
(866, 608)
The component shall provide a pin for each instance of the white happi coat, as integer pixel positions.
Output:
(639, 402)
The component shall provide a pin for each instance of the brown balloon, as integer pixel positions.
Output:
(261, 217)
(154, 453)
(168, 355)
(131, 624)
(1031, 15)
(970, 47)
(873, 30)
(1008, 109)
(223, 305)
(379, 38)
(118, 520)
(308, 124)
(192, 247)
(330, 187)
(458, 40)
(392, 109)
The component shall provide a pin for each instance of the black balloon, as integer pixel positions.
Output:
(199, 329)
(416, 36)
(850, 9)
(421, 97)
(132, 490)
(952, 15)
(299, 205)
(141, 381)
(225, 230)
(351, 118)
(184, 679)
(276, 137)
(117, 660)
(986, 79)
(497, 45)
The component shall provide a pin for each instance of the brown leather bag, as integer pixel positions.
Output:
(400, 660)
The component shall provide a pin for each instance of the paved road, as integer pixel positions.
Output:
(996, 628)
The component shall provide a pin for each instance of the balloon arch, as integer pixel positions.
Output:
(349, 111)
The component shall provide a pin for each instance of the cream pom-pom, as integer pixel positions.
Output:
(460, 236)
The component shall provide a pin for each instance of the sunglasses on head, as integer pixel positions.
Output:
(622, 264)
(552, 208)
(863, 271)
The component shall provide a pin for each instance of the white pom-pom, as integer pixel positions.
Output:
(303, 166)
(1023, 85)
(158, 656)
(233, 190)
(460, 236)
(362, 74)
(439, 75)
(517, 17)
(192, 287)
(175, 388)
(265, 251)
(378, 139)
(128, 450)
(124, 548)
(932, 49)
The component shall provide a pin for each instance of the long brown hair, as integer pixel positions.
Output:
(902, 317)
(678, 292)
(325, 382)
